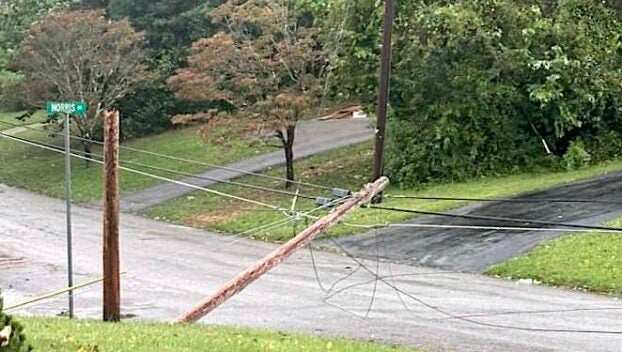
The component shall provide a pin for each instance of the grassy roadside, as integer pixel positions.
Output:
(42, 171)
(62, 335)
(10, 117)
(346, 168)
(590, 262)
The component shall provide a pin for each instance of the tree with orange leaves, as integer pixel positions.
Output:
(268, 65)
(84, 56)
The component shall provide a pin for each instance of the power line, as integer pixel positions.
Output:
(226, 168)
(474, 315)
(187, 174)
(494, 218)
(584, 229)
(170, 157)
(263, 228)
(507, 200)
(234, 183)
(466, 319)
(208, 190)
(279, 209)
(475, 227)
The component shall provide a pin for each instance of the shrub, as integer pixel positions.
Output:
(476, 84)
(147, 111)
(16, 342)
(9, 100)
(576, 156)
(604, 146)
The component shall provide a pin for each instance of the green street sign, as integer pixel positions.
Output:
(72, 108)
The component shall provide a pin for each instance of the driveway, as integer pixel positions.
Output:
(19, 129)
(477, 250)
(312, 137)
(169, 268)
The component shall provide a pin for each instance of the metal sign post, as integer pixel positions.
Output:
(76, 108)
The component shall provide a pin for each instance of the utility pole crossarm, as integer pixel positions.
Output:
(245, 278)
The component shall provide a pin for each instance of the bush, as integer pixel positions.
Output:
(9, 99)
(604, 146)
(576, 156)
(16, 342)
(147, 111)
(477, 83)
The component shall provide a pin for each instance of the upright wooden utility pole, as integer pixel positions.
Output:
(275, 258)
(383, 94)
(112, 287)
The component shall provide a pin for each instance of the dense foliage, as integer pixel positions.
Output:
(170, 27)
(11, 334)
(477, 84)
(16, 19)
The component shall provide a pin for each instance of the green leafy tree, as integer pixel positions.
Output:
(170, 27)
(16, 19)
(478, 84)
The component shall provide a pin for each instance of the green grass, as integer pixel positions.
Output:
(10, 117)
(590, 261)
(43, 171)
(348, 168)
(62, 335)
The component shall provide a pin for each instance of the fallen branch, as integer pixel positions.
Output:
(343, 113)
(245, 278)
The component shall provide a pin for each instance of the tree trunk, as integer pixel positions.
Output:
(288, 146)
(88, 152)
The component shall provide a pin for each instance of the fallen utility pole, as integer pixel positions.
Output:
(112, 286)
(245, 278)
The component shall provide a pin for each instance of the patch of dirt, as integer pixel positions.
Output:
(331, 166)
(217, 215)
(8, 261)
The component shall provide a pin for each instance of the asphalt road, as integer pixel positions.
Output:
(477, 250)
(170, 268)
(312, 137)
